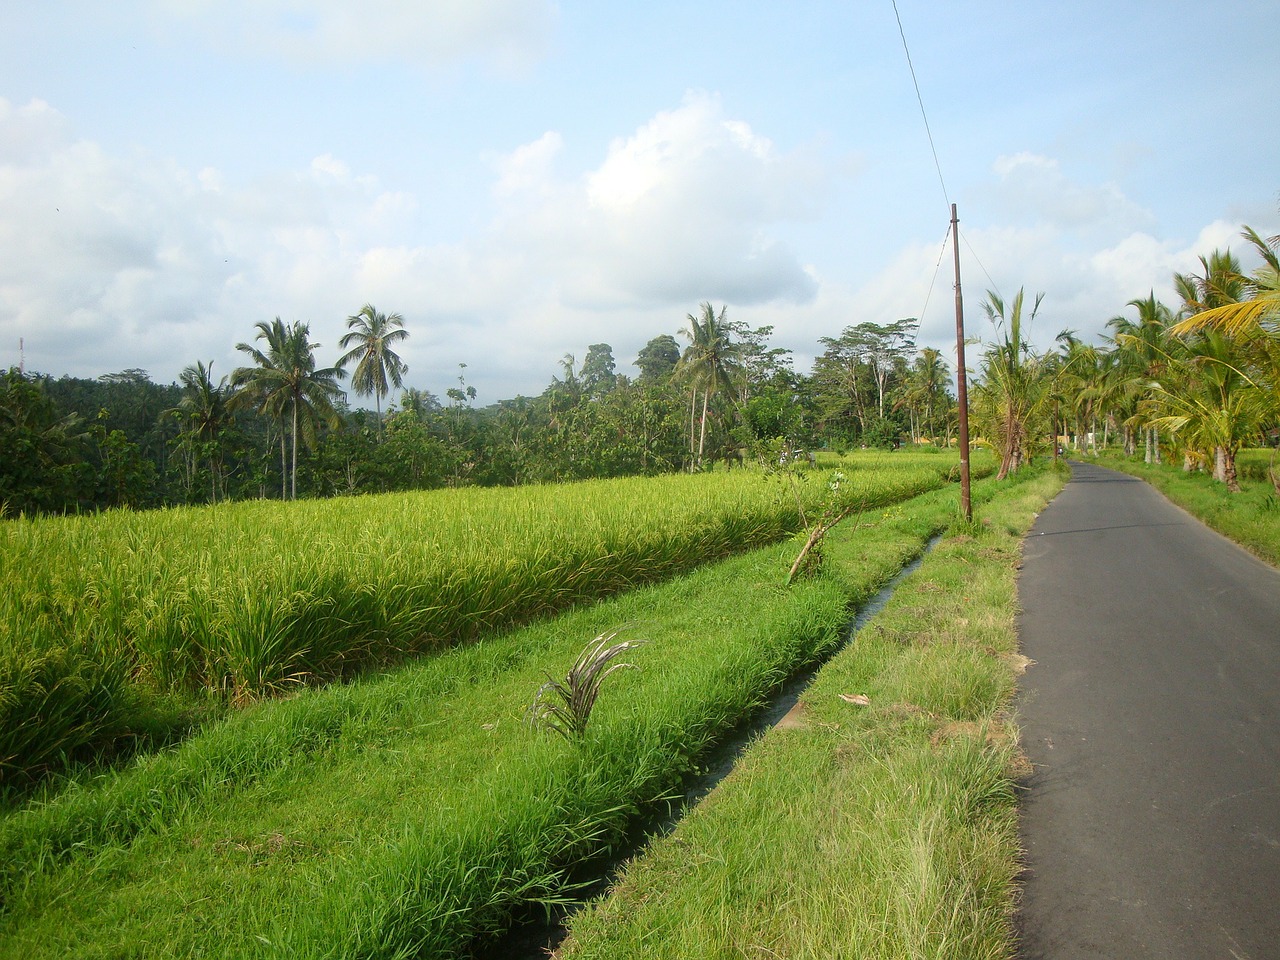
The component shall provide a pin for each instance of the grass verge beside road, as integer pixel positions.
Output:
(882, 821)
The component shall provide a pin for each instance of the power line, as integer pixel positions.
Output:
(936, 267)
(920, 100)
(994, 286)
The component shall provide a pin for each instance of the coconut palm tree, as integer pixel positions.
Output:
(378, 367)
(926, 396)
(286, 385)
(1143, 352)
(1211, 402)
(711, 364)
(1010, 385)
(1253, 320)
(205, 416)
(1222, 284)
(1076, 378)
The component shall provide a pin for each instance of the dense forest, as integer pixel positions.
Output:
(1197, 381)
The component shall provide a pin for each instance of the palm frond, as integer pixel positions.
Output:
(565, 707)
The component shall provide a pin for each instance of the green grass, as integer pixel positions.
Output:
(408, 814)
(886, 830)
(116, 627)
(1256, 464)
(1251, 517)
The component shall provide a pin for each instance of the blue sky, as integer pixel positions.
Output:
(520, 178)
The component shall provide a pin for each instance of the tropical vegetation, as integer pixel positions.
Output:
(282, 425)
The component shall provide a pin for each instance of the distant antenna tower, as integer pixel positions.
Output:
(22, 357)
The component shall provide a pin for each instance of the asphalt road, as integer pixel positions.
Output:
(1151, 715)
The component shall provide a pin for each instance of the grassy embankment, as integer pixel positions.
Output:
(1251, 518)
(884, 830)
(116, 628)
(408, 814)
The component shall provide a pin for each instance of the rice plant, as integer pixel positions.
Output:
(566, 707)
(243, 601)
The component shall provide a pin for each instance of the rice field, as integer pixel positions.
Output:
(410, 814)
(101, 615)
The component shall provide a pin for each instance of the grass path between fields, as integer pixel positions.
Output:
(408, 815)
(879, 821)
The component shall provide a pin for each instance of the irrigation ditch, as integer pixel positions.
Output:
(539, 929)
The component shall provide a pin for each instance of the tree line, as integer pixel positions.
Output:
(281, 425)
(1196, 382)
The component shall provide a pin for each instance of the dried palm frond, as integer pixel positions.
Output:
(566, 706)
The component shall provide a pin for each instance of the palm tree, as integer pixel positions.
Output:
(420, 403)
(1143, 347)
(378, 368)
(926, 396)
(205, 416)
(286, 385)
(1211, 400)
(1075, 374)
(1221, 284)
(1253, 319)
(1010, 386)
(711, 363)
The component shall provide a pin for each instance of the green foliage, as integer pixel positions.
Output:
(880, 819)
(369, 340)
(57, 705)
(597, 375)
(285, 384)
(658, 358)
(1010, 393)
(40, 450)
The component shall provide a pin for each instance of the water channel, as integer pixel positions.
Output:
(535, 936)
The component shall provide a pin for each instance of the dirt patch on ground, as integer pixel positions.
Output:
(795, 718)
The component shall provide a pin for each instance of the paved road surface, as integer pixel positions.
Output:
(1152, 718)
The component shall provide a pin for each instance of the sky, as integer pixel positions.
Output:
(520, 179)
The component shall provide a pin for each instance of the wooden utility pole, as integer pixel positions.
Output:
(962, 389)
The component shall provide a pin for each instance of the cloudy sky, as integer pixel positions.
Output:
(522, 178)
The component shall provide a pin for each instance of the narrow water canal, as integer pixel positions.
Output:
(535, 937)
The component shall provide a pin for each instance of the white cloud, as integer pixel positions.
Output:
(114, 261)
(527, 170)
(1033, 188)
(509, 33)
(677, 212)
(30, 132)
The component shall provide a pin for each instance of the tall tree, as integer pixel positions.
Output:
(41, 450)
(597, 374)
(1143, 346)
(1211, 401)
(286, 385)
(658, 358)
(204, 416)
(711, 364)
(858, 371)
(378, 367)
(927, 396)
(419, 403)
(1010, 385)
(1253, 321)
